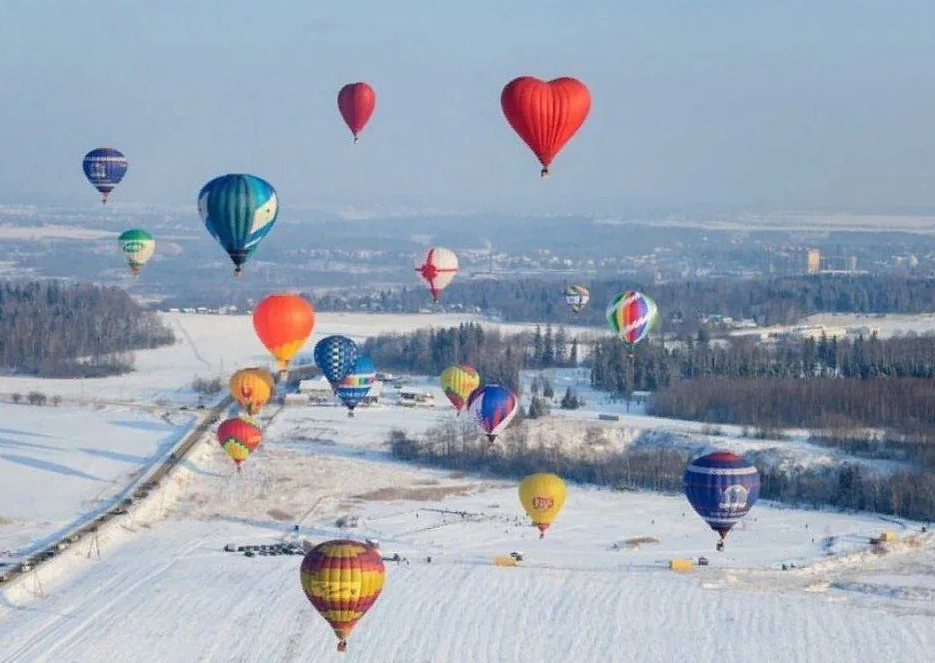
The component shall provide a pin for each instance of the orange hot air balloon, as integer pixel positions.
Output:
(252, 388)
(239, 438)
(342, 579)
(356, 102)
(545, 114)
(283, 322)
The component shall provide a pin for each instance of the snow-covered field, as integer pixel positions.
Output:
(164, 590)
(60, 464)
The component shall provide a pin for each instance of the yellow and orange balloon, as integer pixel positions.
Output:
(283, 322)
(252, 388)
(458, 382)
(342, 579)
(543, 496)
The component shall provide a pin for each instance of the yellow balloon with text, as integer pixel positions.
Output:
(543, 496)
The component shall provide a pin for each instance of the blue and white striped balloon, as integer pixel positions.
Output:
(721, 487)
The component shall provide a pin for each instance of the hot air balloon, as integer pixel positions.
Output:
(543, 496)
(342, 579)
(492, 407)
(356, 385)
(721, 487)
(138, 247)
(104, 167)
(632, 315)
(335, 356)
(240, 438)
(577, 297)
(238, 210)
(252, 388)
(356, 102)
(438, 268)
(458, 383)
(283, 322)
(545, 114)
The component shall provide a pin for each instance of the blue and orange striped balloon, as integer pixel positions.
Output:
(632, 315)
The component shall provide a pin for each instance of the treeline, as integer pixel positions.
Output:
(497, 357)
(52, 329)
(653, 366)
(769, 301)
(521, 451)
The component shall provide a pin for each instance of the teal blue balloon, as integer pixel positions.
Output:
(238, 210)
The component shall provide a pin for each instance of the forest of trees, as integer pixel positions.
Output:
(53, 329)
(769, 301)
(496, 356)
(521, 450)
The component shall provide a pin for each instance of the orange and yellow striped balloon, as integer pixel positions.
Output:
(252, 388)
(342, 579)
(543, 496)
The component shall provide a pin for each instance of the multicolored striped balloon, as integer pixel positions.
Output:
(356, 385)
(459, 382)
(721, 487)
(577, 297)
(492, 407)
(342, 579)
(239, 438)
(632, 315)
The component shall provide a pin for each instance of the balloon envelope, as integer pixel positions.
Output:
(492, 407)
(543, 496)
(342, 579)
(721, 487)
(356, 385)
(138, 247)
(283, 322)
(356, 102)
(438, 268)
(104, 167)
(238, 210)
(335, 356)
(545, 114)
(458, 382)
(577, 297)
(252, 388)
(239, 438)
(632, 315)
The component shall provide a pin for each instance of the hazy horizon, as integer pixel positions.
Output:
(735, 105)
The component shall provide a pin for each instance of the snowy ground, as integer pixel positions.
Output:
(167, 592)
(59, 465)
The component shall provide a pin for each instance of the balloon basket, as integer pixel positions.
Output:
(342, 646)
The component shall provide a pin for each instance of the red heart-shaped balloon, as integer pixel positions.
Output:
(545, 114)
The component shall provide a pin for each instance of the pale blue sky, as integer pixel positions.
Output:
(756, 103)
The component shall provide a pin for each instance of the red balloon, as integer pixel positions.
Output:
(545, 114)
(356, 102)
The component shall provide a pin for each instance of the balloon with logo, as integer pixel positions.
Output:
(545, 114)
(492, 407)
(458, 382)
(283, 322)
(342, 579)
(721, 487)
(138, 247)
(252, 388)
(631, 315)
(356, 385)
(577, 297)
(438, 268)
(238, 210)
(104, 167)
(543, 496)
(239, 438)
(335, 357)
(356, 102)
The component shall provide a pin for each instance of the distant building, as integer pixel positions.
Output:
(813, 261)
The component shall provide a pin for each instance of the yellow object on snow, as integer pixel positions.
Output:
(680, 564)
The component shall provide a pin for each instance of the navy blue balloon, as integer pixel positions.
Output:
(104, 167)
(335, 357)
(721, 487)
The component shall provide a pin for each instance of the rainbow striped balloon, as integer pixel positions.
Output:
(632, 315)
